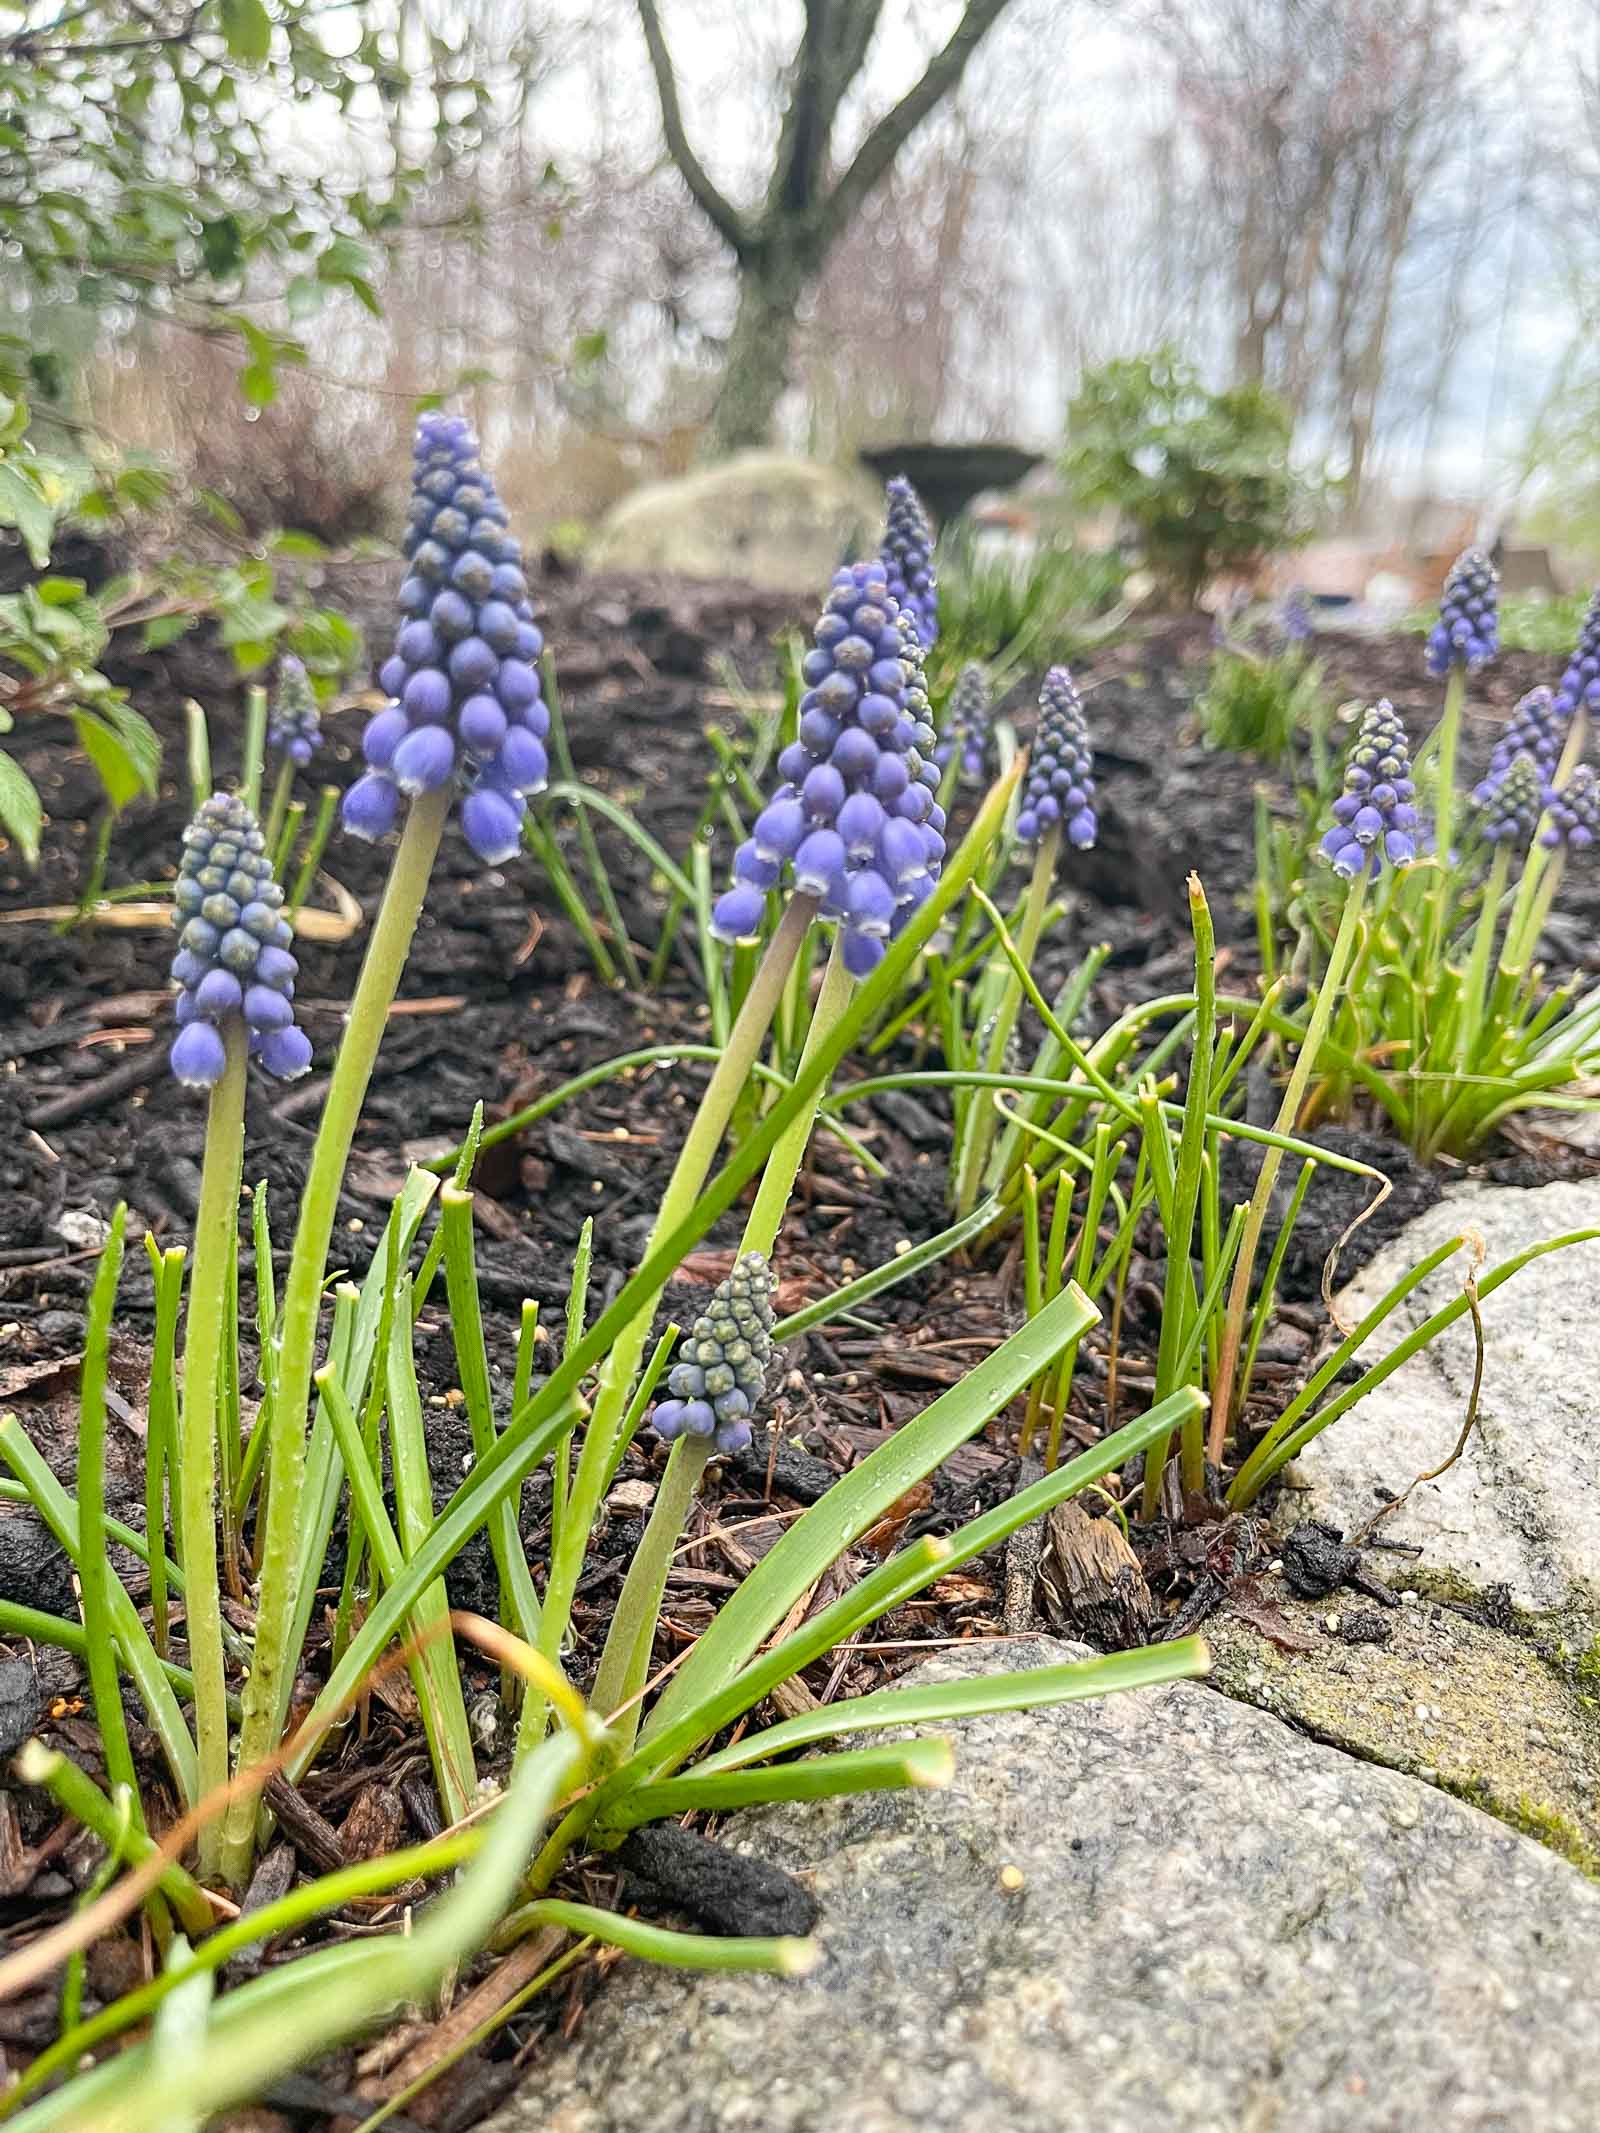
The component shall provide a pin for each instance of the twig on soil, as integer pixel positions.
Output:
(142, 1066)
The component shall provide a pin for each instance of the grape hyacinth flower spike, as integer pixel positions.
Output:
(854, 822)
(1294, 617)
(1467, 633)
(1375, 819)
(463, 678)
(966, 723)
(233, 957)
(1060, 784)
(717, 1381)
(908, 558)
(1536, 728)
(1574, 812)
(1513, 805)
(1580, 684)
(294, 729)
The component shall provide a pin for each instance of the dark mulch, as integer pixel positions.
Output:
(499, 1003)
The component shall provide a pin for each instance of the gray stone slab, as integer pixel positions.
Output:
(1164, 1911)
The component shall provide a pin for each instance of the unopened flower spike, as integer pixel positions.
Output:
(908, 558)
(233, 956)
(1574, 811)
(1375, 817)
(1467, 632)
(463, 678)
(1580, 684)
(967, 720)
(1537, 728)
(1513, 807)
(1060, 786)
(717, 1381)
(294, 728)
(854, 821)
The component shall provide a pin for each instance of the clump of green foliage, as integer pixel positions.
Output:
(1012, 610)
(1258, 703)
(1203, 478)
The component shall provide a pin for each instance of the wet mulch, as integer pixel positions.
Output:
(500, 1003)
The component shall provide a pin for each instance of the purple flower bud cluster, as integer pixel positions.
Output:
(1375, 817)
(1574, 811)
(1580, 684)
(233, 955)
(1294, 617)
(966, 722)
(1060, 787)
(855, 819)
(1513, 805)
(1467, 632)
(1538, 728)
(908, 558)
(294, 728)
(721, 1369)
(464, 675)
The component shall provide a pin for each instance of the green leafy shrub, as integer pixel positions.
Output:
(1256, 703)
(1204, 478)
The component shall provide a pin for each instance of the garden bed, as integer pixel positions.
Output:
(500, 1003)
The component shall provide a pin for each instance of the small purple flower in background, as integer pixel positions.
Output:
(1375, 818)
(1467, 632)
(908, 558)
(233, 956)
(1580, 684)
(855, 820)
(1060, 786)
(1515, 802)
(967, 720)
(1538, 728)
(294, 729)
(464, 675)
(1294, 617)
(1574, 811)
(717, 1381)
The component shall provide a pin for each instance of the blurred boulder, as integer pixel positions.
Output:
(770, 520)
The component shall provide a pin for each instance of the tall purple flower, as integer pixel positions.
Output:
(233, 957)
(1375, 817)
(294, 729)
(1060, 786)
(908, 558)
(717, 1381)
(966, 723)
(463, 677)
(1514, 803)
(854, 821)
(1467, 632)
(1537, 728)
(1294, 617)
(1574, 811)
(1580, 684)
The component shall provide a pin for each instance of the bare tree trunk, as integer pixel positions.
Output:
(771, 290)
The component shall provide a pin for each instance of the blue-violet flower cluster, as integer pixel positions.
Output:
(1467, 632)
(1060, 786)
(855, 819)
(1574, 811)
(294, 729)
(1514, 804)
(1374, 818)
(717, 1380)
(908, 558)
(1538, 728)
(233, 955)
(966, 723)
(1580, 684)
(464, 674)
(1294, 617)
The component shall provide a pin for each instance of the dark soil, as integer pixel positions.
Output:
(500, 1003)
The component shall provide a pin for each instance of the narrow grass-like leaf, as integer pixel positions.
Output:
(161, 1424)
(819, 1777)
(79, 1796)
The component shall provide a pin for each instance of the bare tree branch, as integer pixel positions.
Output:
(719, 211)
(940, 78)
